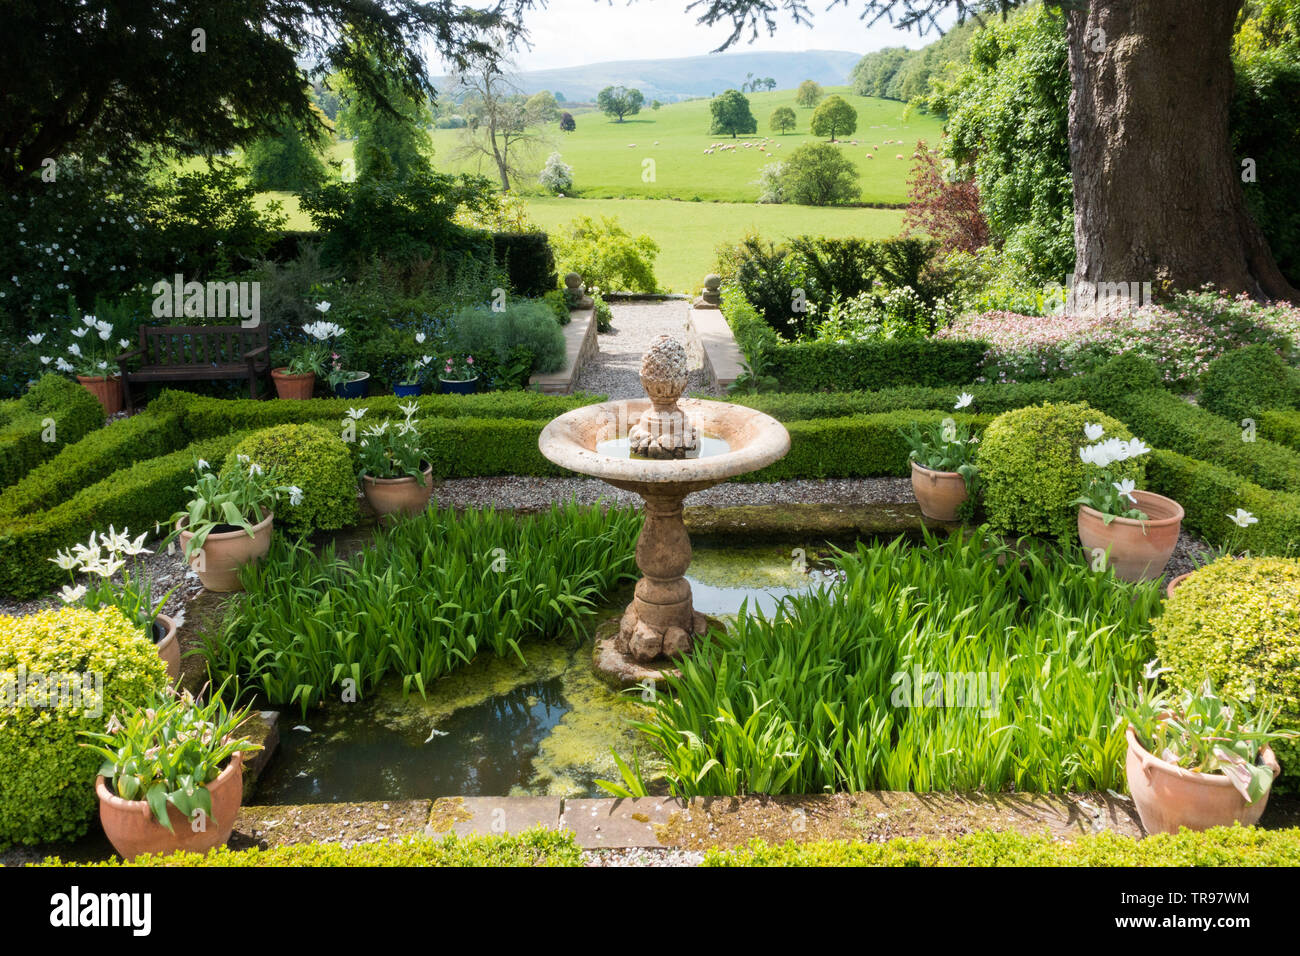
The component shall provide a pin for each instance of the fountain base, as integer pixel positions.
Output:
(620, 670)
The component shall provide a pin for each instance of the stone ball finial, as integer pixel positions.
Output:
(713, 282)
(664, 370)
(573, 281)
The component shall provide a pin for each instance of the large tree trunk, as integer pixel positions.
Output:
(1157, 194)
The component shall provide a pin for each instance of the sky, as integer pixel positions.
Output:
(574, 32)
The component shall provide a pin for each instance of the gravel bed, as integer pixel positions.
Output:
(531, 494)
(615, 370)
(643, 856)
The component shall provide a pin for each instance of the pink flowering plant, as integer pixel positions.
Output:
(1105, 492)
(458, 369)
(1181, 337)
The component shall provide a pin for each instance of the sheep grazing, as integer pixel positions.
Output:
(899, 156)
(870, 156)
(875, 147)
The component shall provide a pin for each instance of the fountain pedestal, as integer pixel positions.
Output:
(665, 433)
(661, 620)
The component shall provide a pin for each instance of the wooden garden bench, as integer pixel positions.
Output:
(197, 353)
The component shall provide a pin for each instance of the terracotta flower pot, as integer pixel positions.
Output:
(224, 553)
(1139, 550)
(132, 829)
(108, 390)
(939, 493)
(293, 386)
(1173, 585)
(169, 646)
(1169, 797)
(401, 496)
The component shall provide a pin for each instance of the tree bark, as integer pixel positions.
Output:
(1157, 193)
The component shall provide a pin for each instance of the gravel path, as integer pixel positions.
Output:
(530, 494)
(615, 371)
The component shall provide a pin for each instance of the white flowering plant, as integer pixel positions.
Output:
(1203, 731)
(99, 561)
(413, 370)
(92, 352)
(313, 354)
(236, 498)
(1104, 492)
(394, 449)
(948, 445)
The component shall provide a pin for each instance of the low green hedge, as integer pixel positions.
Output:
(836, 366)
(845, 366)
(25, 440)
(1166, 421)
(988, 399)
(1281, 426)
(854, 446)
(205, 417)
(102, 452)
(136, 498)
(1222, 846)
(1209, 493)
(537, 847)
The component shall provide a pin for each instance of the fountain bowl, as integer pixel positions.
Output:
(660, 624)
(754, 440)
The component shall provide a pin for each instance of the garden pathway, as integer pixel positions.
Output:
(615, 369)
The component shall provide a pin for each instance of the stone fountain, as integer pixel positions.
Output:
(662, 448)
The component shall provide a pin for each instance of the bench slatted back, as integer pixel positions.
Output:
(199, 344)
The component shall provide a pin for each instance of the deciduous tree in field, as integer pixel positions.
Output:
(819, 174)
(619, 101)
(835, 117)
(809, 94)
(782, 120)
(731, 114)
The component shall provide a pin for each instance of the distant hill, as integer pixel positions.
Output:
(672, 80)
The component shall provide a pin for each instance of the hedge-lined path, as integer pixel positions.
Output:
(615, 370)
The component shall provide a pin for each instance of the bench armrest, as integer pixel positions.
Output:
(134, 353)
(260, 350)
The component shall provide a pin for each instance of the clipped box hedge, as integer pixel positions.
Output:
(1280, 426)
(119, 445)
(536, 847)
(1166, 421)
(136, 498)
(1209, 493)
(1221, 846)
(49, 777)
(854, 446)
(205, 417)
(67, 406)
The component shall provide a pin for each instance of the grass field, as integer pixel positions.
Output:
(689, 232)
(717, 191)
(608, 158)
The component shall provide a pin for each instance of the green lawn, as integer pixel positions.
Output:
(689, 232)
(608, 158)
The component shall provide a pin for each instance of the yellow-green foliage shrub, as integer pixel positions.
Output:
(1237, 622)
(1029, 462)
(317, 461)
(47, 779)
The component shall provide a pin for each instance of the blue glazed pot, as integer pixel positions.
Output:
(459, 388)
(356, 388)
(406, 391)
